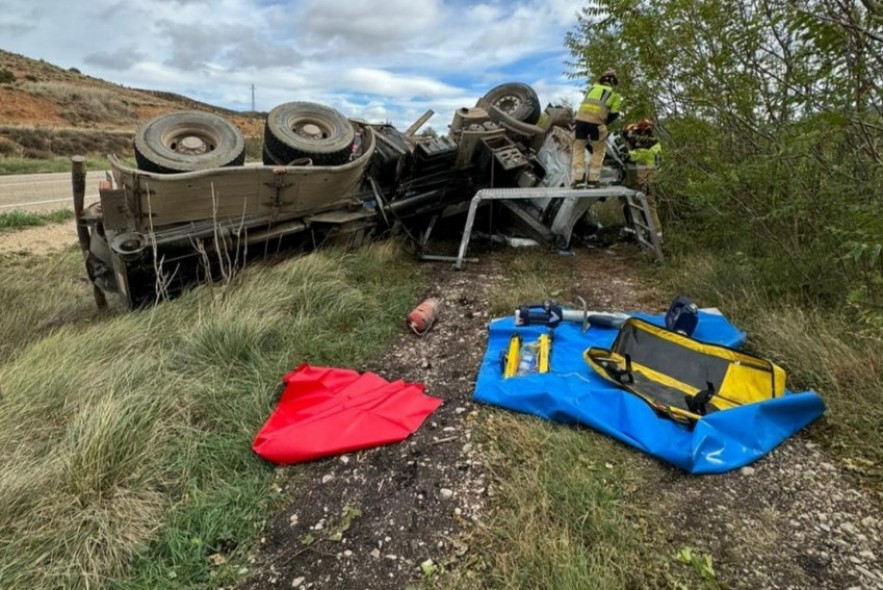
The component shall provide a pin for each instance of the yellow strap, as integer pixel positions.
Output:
(545, 353)
(511, 367)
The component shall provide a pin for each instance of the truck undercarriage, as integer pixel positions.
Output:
(192, 211)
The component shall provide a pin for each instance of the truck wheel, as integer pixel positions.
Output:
(517, 100)
(186, 141)
(298, 130)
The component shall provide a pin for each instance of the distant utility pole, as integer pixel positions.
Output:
(252, 99)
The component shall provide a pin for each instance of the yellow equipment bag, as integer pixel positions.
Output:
(682, 378)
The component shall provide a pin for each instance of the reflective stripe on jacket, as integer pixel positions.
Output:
(646, 156)
(600, 101)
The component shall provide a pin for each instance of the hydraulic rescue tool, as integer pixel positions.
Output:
(551, 314)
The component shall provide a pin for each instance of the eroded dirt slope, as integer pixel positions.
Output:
(40, 97)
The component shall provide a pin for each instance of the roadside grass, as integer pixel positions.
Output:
(529, 277)
(40, 294)
(13, 165)
(569, 507)
(126, 439)
(568, 511)
(836, 352)
(19, 218)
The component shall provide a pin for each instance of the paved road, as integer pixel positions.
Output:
(44, 192)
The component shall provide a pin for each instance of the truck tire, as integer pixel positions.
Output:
(517, 100)
(185, 141)
(298, 130)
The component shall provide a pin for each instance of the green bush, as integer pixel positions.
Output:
(6, 76)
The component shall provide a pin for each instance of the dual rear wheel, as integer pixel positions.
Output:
(185, 141)
(294, 132)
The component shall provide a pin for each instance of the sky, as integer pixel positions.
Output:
(379, 60)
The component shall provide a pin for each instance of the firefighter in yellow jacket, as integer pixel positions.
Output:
(599, 108)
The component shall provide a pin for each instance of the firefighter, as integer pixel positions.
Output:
(645, 151)
(599, 108)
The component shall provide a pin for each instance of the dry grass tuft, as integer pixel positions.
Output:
(126, 437)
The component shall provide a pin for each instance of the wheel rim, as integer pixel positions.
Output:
(190, 140)
(508, 104)
(309, 128)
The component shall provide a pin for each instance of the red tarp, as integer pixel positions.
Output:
(325, 411)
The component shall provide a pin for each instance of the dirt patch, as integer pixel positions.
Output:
(794, 520)
(413, 498)
(19, 106)
(40, 241)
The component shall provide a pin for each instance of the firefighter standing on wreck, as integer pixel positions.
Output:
(599, 108)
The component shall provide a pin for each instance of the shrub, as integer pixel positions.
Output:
(9, 147)
(6, 76)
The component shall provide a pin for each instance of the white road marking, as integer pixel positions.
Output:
(31, 203)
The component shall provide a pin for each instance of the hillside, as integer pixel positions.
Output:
(48, 111)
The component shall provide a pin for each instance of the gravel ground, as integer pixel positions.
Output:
(795, 520)
(408, 504)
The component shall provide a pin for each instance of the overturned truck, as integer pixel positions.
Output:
(192, 209)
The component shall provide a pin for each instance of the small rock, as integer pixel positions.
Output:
(446, 493)
(747, 470)
(459, 410)
(347, 553)
(293, 520)
(426, 365)
(866, 572)
(848, 528)
(375, 553)
(827, 466)
(869, 521)
(327, 478)
(344, 459)
(869, 556)
(391, 557)
(297, 582)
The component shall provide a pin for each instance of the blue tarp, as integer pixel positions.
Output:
(572, 393)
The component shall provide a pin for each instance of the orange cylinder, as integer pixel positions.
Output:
(422, 317)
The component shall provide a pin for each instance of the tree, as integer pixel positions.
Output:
(772, 117)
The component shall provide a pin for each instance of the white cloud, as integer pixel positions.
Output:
(378, 59)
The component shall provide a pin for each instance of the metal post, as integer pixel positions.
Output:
(594, 194)
(78, 182)
(410, 131)
(467, 231)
